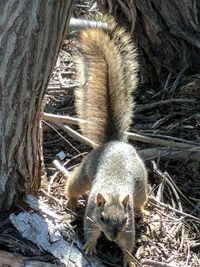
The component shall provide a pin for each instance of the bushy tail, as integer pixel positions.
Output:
(108, 76)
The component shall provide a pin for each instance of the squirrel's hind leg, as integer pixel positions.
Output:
(140, 199)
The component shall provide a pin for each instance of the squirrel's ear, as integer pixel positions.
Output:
(100, 199)
(125, 200)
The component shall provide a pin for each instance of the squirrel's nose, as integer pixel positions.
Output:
(115, 233)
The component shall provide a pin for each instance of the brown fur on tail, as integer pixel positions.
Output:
(108, 75)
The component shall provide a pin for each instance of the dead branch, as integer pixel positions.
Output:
(80, 24)
(60, 118)
(150, 106)
(61, 169)
(44, 231)
(76, 135)
(159, 141)
(153, 153)
(155, 263)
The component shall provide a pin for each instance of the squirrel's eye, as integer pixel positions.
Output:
(102, 218)
(125, 220)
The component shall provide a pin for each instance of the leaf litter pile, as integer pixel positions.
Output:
(165, 131)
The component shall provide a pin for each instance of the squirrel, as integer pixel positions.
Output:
(113, 172)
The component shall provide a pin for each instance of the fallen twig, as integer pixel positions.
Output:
(48, 195)
(142, 108)
(153, 153)
(154, 201)
(159, 141)
(76, 135)
(62, 137)
(155, 263)
(61, 169)
(61, 118)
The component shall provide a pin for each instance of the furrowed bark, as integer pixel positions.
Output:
(31, 35)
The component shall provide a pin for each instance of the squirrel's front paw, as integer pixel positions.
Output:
(127, 262)
(90, 247)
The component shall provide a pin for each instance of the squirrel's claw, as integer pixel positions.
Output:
(90, 247)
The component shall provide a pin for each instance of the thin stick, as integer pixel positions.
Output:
(158, 141)
(142, 108)
(60, 118)
(153, 153)
(62, 137)
(155, 263)
(154, 202)
(76, 136)
(163, 176)
(61, 169)
(57, 201)
(80, 24)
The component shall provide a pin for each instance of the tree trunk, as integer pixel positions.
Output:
(167, 34)
(30, 37)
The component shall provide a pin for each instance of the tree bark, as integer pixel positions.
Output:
(167, 34)
(31, 35)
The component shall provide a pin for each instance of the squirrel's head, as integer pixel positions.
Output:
(112, 214)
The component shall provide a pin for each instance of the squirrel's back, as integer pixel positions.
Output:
(114, 169)
(107, 69)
